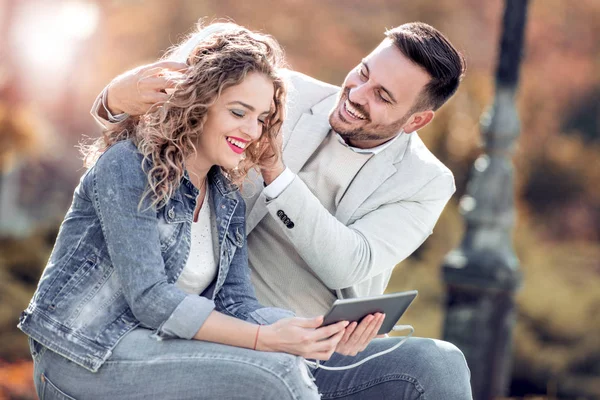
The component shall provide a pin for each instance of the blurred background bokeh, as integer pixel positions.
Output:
(56, 56)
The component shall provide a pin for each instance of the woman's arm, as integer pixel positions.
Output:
(299, 336)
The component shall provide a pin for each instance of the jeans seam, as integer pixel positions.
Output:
(386, 378)
(287, 367)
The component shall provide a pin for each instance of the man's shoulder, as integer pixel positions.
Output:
(298, 80)
(421, 167)
(304, 91)
(419, 153)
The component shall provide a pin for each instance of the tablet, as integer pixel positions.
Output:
(393, 305)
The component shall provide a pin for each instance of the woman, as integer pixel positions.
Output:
(153, 247)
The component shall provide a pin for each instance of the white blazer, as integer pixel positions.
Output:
(389, 209)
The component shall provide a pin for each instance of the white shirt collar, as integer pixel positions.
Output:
(372, 150)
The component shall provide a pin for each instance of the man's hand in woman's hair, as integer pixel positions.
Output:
(274, 167)
(136, 91)
(301, 336)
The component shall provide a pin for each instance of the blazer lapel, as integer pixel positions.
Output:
(308, 134)
(379, 168)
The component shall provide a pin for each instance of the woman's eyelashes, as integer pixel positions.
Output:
(242, 114)
(238, 113)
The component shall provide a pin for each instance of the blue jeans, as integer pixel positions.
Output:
(419, 369)
(141, 367)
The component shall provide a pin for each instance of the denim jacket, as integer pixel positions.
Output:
(115, 262)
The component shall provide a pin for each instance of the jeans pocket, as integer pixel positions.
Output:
(51, 392)
(36, 349)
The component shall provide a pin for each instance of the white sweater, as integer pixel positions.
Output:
(284, 279)
(201, 268)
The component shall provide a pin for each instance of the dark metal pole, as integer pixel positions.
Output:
(482, 275)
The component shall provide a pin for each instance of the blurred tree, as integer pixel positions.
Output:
(583, 117)
(554, 341)
(17, 135)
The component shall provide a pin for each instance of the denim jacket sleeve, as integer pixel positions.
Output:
(237, 297)
(132, 238)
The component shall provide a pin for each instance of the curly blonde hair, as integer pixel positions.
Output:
(166, 135)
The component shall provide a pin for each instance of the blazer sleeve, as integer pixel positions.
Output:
(343, 256)
(101, 114)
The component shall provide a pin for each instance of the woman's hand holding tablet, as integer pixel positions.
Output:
(392, 305)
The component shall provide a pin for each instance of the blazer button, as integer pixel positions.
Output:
(280, 213)
(290, 225)
(171, 213)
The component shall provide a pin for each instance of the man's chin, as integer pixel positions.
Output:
(343, 128)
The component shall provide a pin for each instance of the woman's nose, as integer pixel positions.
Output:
(253, 129)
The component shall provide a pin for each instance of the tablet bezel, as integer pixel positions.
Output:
(394, 305)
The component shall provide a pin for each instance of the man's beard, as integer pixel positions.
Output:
(368, 131)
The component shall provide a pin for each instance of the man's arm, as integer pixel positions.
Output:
(342, 255)
(135, 92)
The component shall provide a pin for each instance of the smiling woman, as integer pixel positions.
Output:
(154, 247)
(230, 90)
(234, 122)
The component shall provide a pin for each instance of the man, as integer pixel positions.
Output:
(355, 193)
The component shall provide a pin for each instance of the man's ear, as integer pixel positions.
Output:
(418, 120)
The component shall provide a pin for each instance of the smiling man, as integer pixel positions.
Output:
(356, 192)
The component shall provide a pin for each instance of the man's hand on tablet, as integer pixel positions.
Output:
(358, 336)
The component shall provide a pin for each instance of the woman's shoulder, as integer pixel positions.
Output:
(122, 151)
(121, 159)
(124, 154)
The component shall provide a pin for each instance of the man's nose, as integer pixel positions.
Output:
(358, 94)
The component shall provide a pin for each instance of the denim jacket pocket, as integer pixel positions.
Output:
(73, 281)
(170, 221)
(235, 234)
(51, 392)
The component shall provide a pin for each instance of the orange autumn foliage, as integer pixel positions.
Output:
(16, 380)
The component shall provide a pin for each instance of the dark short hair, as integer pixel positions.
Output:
(430, 49)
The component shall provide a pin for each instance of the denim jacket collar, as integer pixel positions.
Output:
(216, 177)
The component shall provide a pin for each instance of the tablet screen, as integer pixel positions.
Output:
(393, 305)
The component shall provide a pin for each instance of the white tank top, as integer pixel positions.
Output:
(201, 268)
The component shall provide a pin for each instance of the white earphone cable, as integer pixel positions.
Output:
(315, 364)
